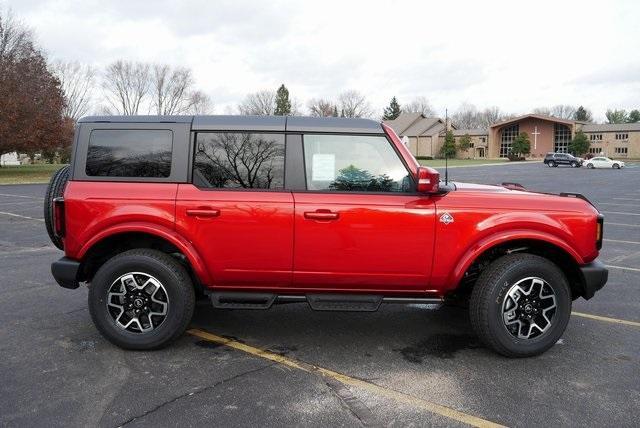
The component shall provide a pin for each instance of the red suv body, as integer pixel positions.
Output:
(335, 212)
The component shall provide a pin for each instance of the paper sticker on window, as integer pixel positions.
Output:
(324, 167)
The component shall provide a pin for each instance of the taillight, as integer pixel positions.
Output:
(58, 216)
(599, 231)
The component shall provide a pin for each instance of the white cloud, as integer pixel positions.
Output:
(516, 55)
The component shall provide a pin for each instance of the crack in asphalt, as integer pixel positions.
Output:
(352, 403)
(192, 393)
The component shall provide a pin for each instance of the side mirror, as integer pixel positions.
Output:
(428, 180)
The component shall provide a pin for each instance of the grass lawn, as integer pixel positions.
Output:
(438, 163)
(39, 173)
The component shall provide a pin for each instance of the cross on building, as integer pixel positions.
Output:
(535, 137)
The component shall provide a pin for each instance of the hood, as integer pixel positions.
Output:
(472, 187)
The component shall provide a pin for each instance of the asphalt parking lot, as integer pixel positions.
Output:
(400, 366)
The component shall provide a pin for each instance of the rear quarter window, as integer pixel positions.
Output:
(129, 153)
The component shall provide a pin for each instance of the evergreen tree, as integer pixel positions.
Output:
(449, 148)
(521, 145)
(583, 115)
(393, 111)
(283, 103)
(634, 116)
(580, 144)
(464, 143)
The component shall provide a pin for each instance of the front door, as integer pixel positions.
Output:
(360, 226)
(236, 213)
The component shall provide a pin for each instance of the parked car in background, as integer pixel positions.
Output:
(604, 162)
(555, 159)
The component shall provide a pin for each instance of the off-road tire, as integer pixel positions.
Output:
(169, 272)
(489, 292)
(55, 189)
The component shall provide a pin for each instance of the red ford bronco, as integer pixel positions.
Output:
(254, 211)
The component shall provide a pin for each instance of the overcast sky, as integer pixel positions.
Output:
(515, 55)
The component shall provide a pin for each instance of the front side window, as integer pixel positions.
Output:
(346, 163)
(129, 153)
(239, 160)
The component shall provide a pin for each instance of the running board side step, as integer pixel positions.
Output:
(317, 301)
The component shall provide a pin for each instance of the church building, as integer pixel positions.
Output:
(425, 136)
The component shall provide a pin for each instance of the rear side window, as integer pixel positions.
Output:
(353, 163)
(129, 153)
(239, 160)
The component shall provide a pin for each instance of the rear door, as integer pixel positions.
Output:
(360, 225)
(236, 211)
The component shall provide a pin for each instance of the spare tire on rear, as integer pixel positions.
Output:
(55, 189)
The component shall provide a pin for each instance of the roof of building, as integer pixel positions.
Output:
(416, 124)
(611, 127)
(461, 132)
(254, 123)
(534, 116)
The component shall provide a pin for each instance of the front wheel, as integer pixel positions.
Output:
(574, 164)
(520, 305)
(141, 299)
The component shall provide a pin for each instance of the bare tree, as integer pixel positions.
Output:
(419, 105)
(466, 117)
(172, 89)
(489, 116)
(262, 103)
(200, 103)
(126, 85)
(320, 107)
(561, 111)
(77, 82)
(353, 104)
(16, 40)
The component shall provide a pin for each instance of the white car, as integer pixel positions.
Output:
(603, 162)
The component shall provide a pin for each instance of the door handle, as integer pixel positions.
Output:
(203, 212)
(321, 215)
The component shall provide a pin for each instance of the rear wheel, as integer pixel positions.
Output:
(551, 164)
(141, 299)
(616, 166)
(55, 189)
(520, 305)
(590, 165)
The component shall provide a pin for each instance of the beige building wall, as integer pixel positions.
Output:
(479, 149)
(608, 145)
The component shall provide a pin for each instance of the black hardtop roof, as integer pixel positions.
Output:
(253, 123)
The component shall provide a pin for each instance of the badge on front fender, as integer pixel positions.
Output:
(446, 218)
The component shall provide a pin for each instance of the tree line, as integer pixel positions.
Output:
(41, 100)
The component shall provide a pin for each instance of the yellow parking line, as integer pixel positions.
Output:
(429, 406)
(606, 319)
